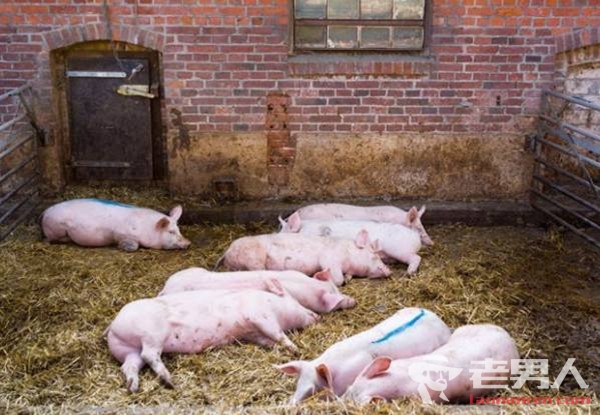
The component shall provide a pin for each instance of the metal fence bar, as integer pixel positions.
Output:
(574, 100)
(567, 225)
(21, 197)
(13, 146)
(563, 207)
(583, 146)
(579, 130)
(567, 193)
(566, 173)
(568, 152)
(16, 206)
(19, 219)
(17, 168)
(12, 122)
(19, 187)
(14, 92)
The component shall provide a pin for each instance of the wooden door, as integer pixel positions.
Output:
(111, 133)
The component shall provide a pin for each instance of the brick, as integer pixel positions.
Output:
(343, 101)
(233, 54)
(279, 175)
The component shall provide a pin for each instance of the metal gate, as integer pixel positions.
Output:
(566, 175)
(19, 170)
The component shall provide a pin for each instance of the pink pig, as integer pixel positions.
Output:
(409, 332)
(468, 347)
(319, 294)
(390, 214)
(307, 254)
(99, 222)
(398, 242)
(189, 322)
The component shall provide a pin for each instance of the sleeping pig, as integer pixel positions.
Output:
(455, 363)
(189, 322)
(409, 332)
(99, 222)
(390, 214)
(318, 294)
(398, 242)
(307, 254)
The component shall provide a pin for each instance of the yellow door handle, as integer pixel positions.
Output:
(133, 90)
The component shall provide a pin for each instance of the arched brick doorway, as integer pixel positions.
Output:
(108, 94)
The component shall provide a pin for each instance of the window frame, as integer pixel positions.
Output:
(425, 23)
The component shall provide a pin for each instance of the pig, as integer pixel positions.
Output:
(99, 222)
(387, 379)
(307, 254)
(396, 241)
(390, 214)
(318, 294)
(189, 322)
(409, 332)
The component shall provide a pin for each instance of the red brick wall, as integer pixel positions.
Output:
(489, 59)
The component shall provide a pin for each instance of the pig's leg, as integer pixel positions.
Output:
(131, 368)
(337, 274)
(151, 355)
(270, 328)
(128, 245)
(413, 261)
(57, 236)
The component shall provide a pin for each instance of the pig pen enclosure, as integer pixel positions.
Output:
(56, 300)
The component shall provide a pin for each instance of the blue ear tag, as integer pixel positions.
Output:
(402, 328)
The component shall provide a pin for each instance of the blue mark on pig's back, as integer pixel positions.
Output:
(111, 203)
(402, 328)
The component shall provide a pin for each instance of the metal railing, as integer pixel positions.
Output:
(19, 169)
(566, 173)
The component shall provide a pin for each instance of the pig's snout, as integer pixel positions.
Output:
(426, 240)
(183, 243)
(348, 302)
(176, 242)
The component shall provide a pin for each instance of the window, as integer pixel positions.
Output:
(370, 25)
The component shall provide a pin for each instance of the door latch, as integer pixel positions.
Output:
(135, 90)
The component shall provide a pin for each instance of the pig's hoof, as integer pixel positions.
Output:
(292, 347)
(132, 385)
(128, 246)
(169, 383)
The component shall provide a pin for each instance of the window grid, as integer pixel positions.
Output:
(367, 25)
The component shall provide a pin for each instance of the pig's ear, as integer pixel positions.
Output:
(162, 223)
(176, 212)
(421, 211)
(377, 367)
(324, 373)
(331, 301)
(291, 368)
(413, 214)
(362, 239)
(294, 222)
(274, 286)
(324, 275)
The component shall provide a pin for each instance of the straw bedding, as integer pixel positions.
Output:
(56, 300)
